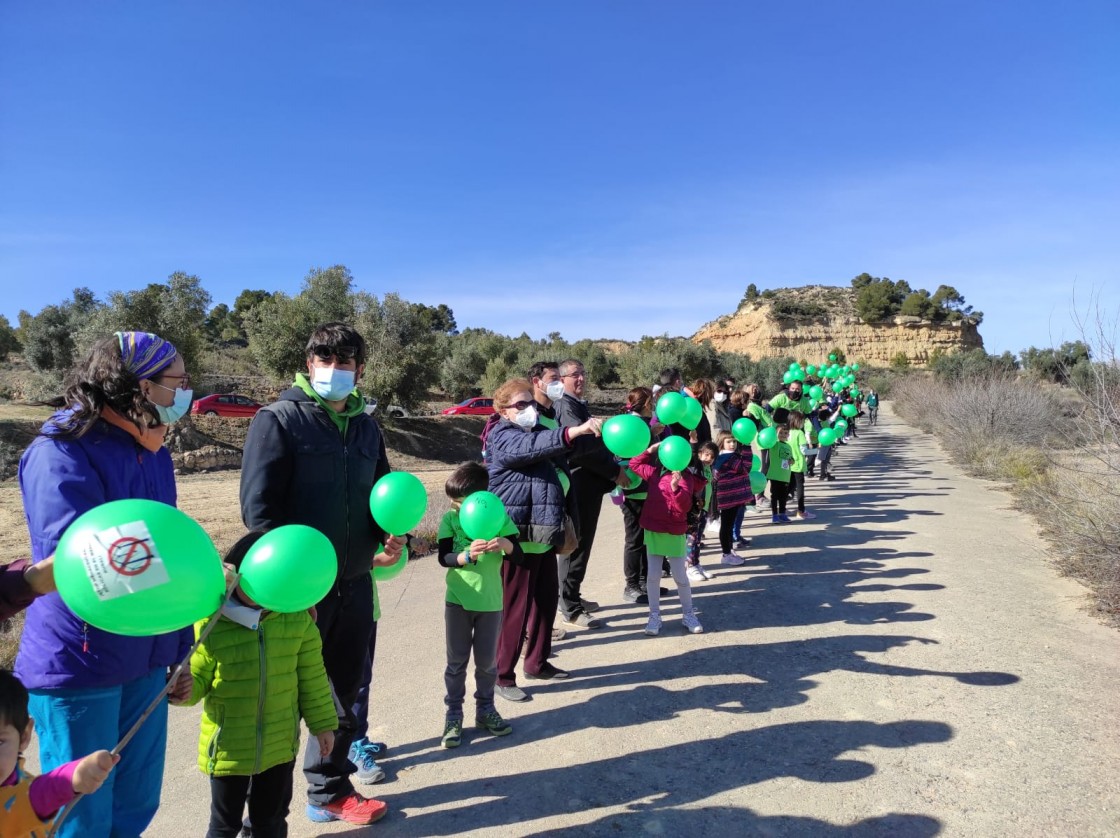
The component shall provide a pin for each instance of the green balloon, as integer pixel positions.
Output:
(849, 410)
(816, 392)
(826, 437)
(798, 375)
(138, 567)
(398, 502)
(841, 427)
(626, 436)
(635, 481)
(787, 377)
(855, 367)
(756, 462)
(832, 358)
(767, 438)
(744, 430)
(758, 482)
(693, 413)
(675, 453)
(289, 569)
(794, 366)
(670, 408)
(812, 370)
(482, 515)
(856, 394)
(385, 572)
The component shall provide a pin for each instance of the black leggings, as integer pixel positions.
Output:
(779, 494)
(726, 527)
(797, 488)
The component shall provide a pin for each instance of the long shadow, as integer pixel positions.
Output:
(732, 820)
(677, 775)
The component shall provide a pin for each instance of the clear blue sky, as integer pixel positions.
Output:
(598, 168)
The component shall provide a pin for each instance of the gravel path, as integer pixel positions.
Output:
(907, 664)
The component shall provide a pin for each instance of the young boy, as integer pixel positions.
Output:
(701, 466)
(473, 610)
(27, 803)
(781, 461)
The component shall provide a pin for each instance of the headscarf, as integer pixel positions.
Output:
(145, 354)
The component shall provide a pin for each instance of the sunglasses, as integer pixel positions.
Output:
(520, 405)
(343, 353)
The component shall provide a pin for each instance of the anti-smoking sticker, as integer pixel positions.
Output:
(123, 560)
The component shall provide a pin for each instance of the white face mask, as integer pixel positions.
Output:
(526, 418)
(721, 397)
(554, 390)
(332, 385)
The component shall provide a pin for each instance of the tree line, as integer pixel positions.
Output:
(413, 347)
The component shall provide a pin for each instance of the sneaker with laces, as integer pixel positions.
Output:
(581, 619)
(775, 519)
(558, 634)
(692, 624)
(732, 559)
(695, 573)
(353, 808)
(363, 754)
(742, 544)
(784, 519)
(494, 723)
(806, 516)
(653, 625)
(452, 733)
(634, 594)
(589, 605)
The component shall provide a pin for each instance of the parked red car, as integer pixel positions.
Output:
(225, 404)
(478, 406)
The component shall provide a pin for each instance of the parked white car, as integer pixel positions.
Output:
(394, 411)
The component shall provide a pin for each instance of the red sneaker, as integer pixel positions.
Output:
(353, 808)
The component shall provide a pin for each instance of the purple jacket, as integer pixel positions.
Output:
(60, 479)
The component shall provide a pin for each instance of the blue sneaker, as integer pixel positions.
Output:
(784, 519)
(363, 754)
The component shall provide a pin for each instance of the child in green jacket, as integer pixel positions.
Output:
(801, 446)
(257, 674)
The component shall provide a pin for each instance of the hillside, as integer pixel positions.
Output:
(810, 321)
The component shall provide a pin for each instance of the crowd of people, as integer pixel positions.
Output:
(312, 458)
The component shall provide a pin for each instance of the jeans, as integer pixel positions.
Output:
(77, 722)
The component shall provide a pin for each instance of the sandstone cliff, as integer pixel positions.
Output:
(807, 323)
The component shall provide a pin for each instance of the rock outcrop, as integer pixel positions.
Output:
(807, 323)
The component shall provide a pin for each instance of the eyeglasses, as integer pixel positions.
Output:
(580, 374)
(520, 405)
(344, 354)
(184, 378)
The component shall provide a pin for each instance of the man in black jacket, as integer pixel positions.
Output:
(312, 458)
(594, 474)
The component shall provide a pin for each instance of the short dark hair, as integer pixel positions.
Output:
(669, 375)
(468, 478)
(13, 701)
(336, 335)
(710, 447)
(537, 370)
(236, 554)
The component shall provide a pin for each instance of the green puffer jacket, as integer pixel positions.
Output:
(256, 686)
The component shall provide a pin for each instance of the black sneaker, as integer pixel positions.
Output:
(548, 673)
(631, 594)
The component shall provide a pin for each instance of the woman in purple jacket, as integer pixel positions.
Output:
(88, 686)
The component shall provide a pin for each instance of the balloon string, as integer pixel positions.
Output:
(183, 664)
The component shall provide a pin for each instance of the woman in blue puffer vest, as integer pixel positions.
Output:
(529, 472)
(88, 686)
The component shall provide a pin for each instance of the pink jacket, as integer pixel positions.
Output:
(666, 509)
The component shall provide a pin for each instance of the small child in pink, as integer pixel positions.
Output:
(27, 803)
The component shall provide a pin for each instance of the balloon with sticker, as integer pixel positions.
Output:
(139, 568)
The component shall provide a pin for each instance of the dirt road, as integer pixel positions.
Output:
(907, 664)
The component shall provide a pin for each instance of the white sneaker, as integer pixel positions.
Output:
(696, 573)
(653, 627)
(732, 559)
(692, 624)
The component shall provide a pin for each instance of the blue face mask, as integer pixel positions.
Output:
(332, 385)
(177, 409)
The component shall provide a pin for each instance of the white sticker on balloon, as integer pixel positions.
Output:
(123, 560)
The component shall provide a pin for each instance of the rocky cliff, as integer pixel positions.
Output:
(807, 323)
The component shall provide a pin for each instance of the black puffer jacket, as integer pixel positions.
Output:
(298, 469)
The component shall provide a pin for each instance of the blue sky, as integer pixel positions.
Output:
(597, 168)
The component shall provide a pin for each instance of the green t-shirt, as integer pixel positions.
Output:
(478, 586)
(781, 458)
(797, 438)
(783, 400)
(759, 414)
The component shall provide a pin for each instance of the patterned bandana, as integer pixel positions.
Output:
(145, 354)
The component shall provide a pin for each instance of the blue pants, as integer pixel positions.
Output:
(73, 723)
